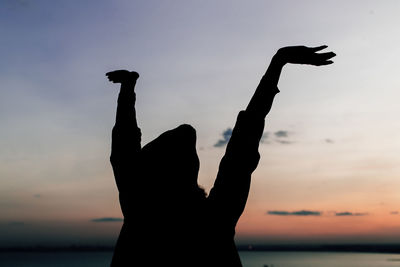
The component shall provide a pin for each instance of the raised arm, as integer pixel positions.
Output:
(261, 102)
(231, 188)
(126, 135)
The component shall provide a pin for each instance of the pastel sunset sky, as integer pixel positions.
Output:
(330, 156)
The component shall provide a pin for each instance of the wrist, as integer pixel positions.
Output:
(278, 60)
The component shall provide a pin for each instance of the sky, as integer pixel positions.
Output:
(329, 168)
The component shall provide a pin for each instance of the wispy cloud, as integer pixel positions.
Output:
(284, 142)
(107, 219)
(280, 137)
(394, 212)
(347, 213)
(226, 135)
(281, 134)
(317, 213)
(294, 213)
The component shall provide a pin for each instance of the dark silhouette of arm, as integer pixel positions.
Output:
(126, 135)
(125, 150)
(261, 102)
(231, 188)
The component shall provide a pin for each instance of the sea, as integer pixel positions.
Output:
(249, 259)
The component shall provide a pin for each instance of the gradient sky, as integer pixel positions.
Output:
(330, 159)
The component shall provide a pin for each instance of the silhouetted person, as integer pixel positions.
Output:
(168, 218)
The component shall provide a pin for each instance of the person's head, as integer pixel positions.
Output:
(171, 161)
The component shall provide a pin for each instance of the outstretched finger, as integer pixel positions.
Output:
(322, 62)
(318, 48)
(326, 55)
(327, 62)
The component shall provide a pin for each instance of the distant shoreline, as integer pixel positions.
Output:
(360, 248)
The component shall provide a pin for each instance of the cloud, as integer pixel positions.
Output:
(107, 219)
(329, 141)
(294, 213)
(394, 212)
(284, 142)
(281, 137)
(281, 134)
(316, 213)
(346, 213)
(226, 135)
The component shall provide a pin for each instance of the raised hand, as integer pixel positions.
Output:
(304, 55)
(120, 76)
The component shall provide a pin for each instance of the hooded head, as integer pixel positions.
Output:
(171, 161)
